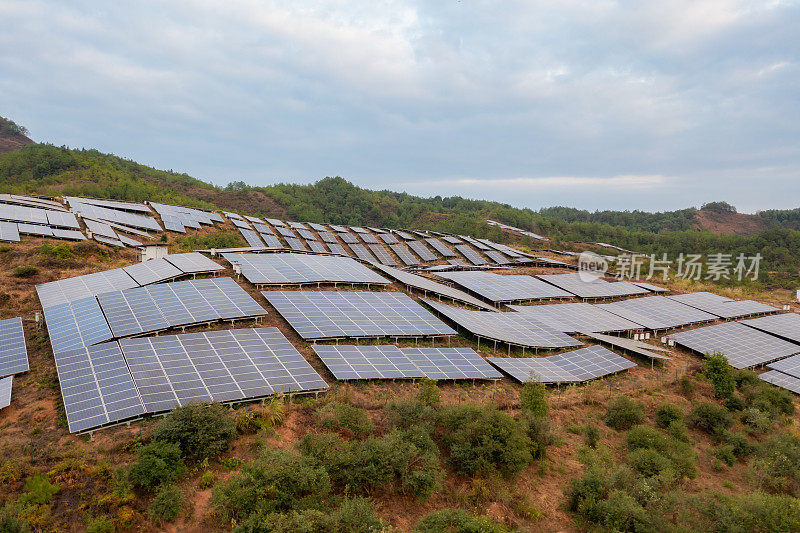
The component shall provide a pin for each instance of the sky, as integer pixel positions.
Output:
(593, 104)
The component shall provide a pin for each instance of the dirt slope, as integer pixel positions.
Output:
(10, 142)
(729, 223)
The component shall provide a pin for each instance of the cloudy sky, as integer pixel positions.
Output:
(595, 104)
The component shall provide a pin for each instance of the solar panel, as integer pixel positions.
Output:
(440, 247)
(99, 228)
(275, 222)
(152, 271)
(657, 312)
(497, 257)
(187, 216)
(456, 262)
(297, 225)
(5, 391)
(404, 255)
(158, 307)
(369, 238)
(233, 215)
(471, 255)
(97, 387)
(631, 345)
(108, 240)
(286, 232)
(9, 232)
(510, 328)
(451, 239)
(376, 230)
(789, 366)
(19, 213)
(743, 346)
(127, 241)
(474, 242)
(224, 366)
(76, 324)
(111, 204)
(348, 238)
(317, 227)
(786, 325)
(71, 234)
(507, 250)
(239, 223)
(307, 234)
(722, 306)
(403, 235)
(193, 263)
(382, 255)
(586, 285)
(451, 363)
(337, 314)
(296, 244)
(328, 237)
(251, 237)
(34, 229)
(505, 288)
(30, 201)
(62, 219)
(338, 229)
(428, 285)
(649, 286)
(576, 366)
(290, 269)
(338, 249)
(362, 253)
(388, 238)
(367, 362)
(317, 247)
(421, 250)
(263, 229)
(13, 352)
(577, 317)
(65, 290)
(784, 381)
(358, 229)
(173, 224)
(113, 215)
(255, 220)
(272, 241)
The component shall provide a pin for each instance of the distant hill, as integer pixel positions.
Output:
(12, 136)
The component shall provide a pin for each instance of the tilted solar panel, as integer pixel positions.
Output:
(451, 363)
(576, 366)
(505, 288)
(586, 285)
(272, 241)
(786, 325)
(657, 312)
(275, 222)
(348, 238)
(790, 366)
(362, 253)
(382, 255)
(367, 362)
(286, 232)
(263, 229)
(451, 239)
(70, 234)
(328, 237)
(65, 290)
(338, 249)
(251, 237)
(173, 224)
(153, 271)
(297, 225)
(404, 255)
(34, 229)
(5, 391)
(76, 324)
(497, 257)
(631, 345)
(369, 238)
(13, 352)
(241, 224)
(108, 240)
(421, 250)
(193, 263)
(62, 219)
(317, 247)
(471, 255)
(388, 238)
(722, 306)
(111, 204)
(307, 234)
(784, 381)
(9, 232)
(316, 227)
(120, 217)
(296, 244)
(440, 247)
(577, 317)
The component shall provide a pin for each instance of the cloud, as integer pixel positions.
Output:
(556, 182)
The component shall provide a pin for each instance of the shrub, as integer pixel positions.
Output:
(592, 435)
(751, 512)
(648, 462)
(533, 398)
(357, 515)
(254, 418)
(756, 421)
(740, 445)
(622, 413)
(457, 521)
(429, 393)
(776, 464)
(686, 386)
(158, 462)
(770, 400)
(711, 418)
(306, 521)
(619, 512)
(482, 439)
(25, 271)
(346, 418)
(592, 487)
(720, 373)
(200, 429)
(677, 430)
(277, 481)
(11, 524)
(538, 430)
(207, 480)
(101, 524)
(666, 413)
(735, 403)
(166, 505)
(57, 251)
(38, 489)
(680, 457)
(746, 378)
(404, 415)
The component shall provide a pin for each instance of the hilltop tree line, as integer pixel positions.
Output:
(10, 127)
(59, 170)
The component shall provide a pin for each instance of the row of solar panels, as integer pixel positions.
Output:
(13, 356)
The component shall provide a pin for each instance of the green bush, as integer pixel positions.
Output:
(200, 429)
(277, 481)
(739, 443)
(592, 487)
(750, 512)
(724, 453)
(166, 505)
(680, 457)
(591, 435)
(429, 393)
(720, 373)
(26, 271)
(345, 418)
(619, 512)
(776, 465)
(539, 433)
(770, 400)
(622, 413)
(677, 430)
(735, 403)
(56, 251)
(457, 521)
(38, 489)
(357, 515)
(404, 415)
(305, 521)
(101, 524)
(686, 386)
(711, 418)
(666, 413)
(158, 462)
(482, 439)
(648, 462)
(746, 378)
(756, 421)
(533, 398)
(12, 524)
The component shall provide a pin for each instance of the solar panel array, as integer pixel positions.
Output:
(241, 224)
(272, 241)
(510, 328)
(786, 325)
(13, 352)
(152, 271)
(193, 263)
(505, 288)
(576, 366)
(296, 244)
(369, 238)
(348, 238)
(65, 290)
(263, 229)
(404, 255)
(111, 204)
(649, 286)
(19, 213)
(9, 232)
(657, 312)
(362, 253)
(497, 257)
(110, 241)
(328, 237)
(451, 363)
(388, 238)
(779, 379)
(316, 227)
(225, 366)
(96, 386)
(297, 225)
(367, 362)
(62, 219)
(721, 306)
(451, 239)
(251, 237)
(286, 232)
(5, 391)
(471, 255)
(289, 269)
(789, 366)
(338, 249)
(76, 324)
(743, 346)
(382, 255)
(71, 234)
(317, 247)
(421, 250)
(120, 217)
(275, 222)
(576, 317)
(585, 285)
(186, 216)
(631, 345)
(158, 307)
(307, 235)
(338, 314)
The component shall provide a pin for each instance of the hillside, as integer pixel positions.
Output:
(12, 136)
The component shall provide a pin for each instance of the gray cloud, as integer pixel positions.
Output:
(653, 105)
